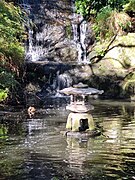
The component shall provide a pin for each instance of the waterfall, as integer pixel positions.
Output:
(61, 81)
(46, 30)
(34, 47)
(83, 28)
(79, 26)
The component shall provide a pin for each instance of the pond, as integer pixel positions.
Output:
(35, 148)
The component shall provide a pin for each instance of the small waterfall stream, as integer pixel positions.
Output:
(81, 30)
(58, 80)
(33, 52)
(34, 45)
(79, 26)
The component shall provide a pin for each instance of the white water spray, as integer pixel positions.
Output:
(34, 49)
(79, 26)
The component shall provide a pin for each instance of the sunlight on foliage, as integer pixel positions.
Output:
(82, 7)
(90, 7)
(11, 46)
(110, 22)
(11, 32)
(7, 82)
(129, 6)
(3, 130)
(3, 94)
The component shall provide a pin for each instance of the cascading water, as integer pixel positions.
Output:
(34, 47)
(34, 52)
(62, 81)
(79, 26)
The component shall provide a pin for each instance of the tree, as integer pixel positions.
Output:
(92, 7)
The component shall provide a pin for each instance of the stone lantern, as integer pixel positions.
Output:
(80, 119)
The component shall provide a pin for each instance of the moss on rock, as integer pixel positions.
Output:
(113, 72)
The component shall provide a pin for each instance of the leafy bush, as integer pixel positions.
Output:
(11, 46)
(119, 23)
(100, 26)
(130, 7)
(7, 84)
(110, 22)
(3, 94)
(83, 7)
(11, 33)
(90, 7)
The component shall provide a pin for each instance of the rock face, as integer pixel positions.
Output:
(54, 31)
(115, 73)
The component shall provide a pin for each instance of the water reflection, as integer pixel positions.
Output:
(35, 149)
(77, 153)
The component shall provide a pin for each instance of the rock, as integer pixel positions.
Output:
(111, 71)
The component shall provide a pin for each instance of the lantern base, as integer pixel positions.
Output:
(86, 134)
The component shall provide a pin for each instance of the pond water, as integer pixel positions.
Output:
(35, 148)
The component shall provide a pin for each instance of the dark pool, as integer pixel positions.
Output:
(35, 148)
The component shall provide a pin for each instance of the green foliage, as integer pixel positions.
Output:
(82, 7)
(11, 32)
(11, 47)
(130, 6)
(7, 84)
(3, 131)
(10, 21)
(100, 26)
(3, 94)
(89, 7)
(107, 17)
(117, 4)
(6, 79)
(111, 22)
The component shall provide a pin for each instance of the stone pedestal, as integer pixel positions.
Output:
(78, 122)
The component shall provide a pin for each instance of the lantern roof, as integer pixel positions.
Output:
(80, 89)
